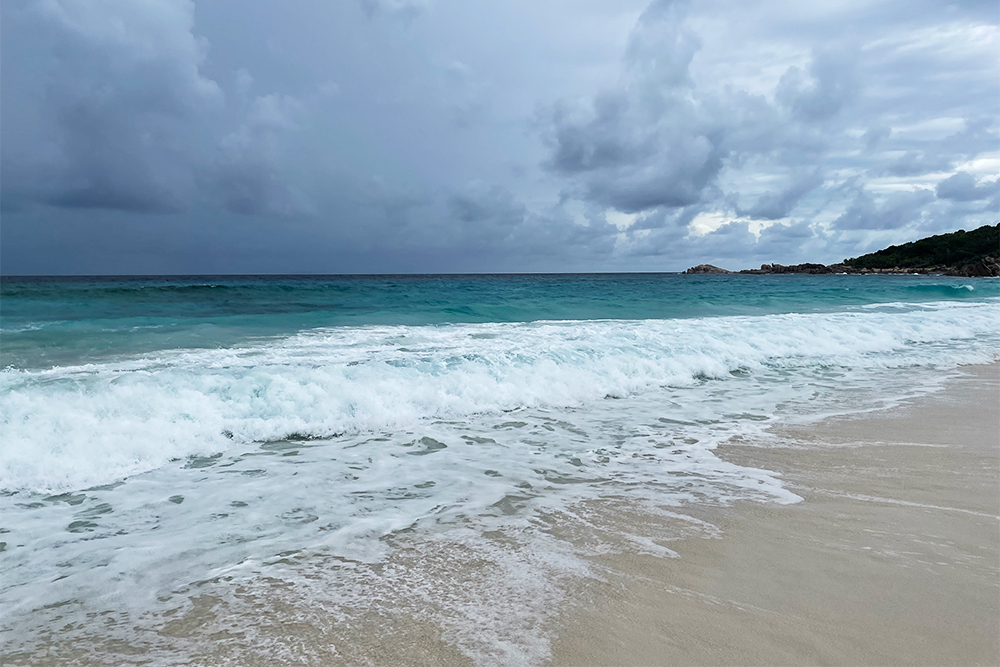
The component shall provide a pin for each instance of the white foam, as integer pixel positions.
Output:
(72, 427)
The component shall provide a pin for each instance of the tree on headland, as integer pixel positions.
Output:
(944, 250)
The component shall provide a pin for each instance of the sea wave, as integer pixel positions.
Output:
(946, 290)
(77, 426)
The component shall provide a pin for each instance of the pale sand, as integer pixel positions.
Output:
(892, 558)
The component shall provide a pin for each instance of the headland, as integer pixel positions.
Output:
(968, 254)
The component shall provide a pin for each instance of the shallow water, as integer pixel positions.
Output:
(355, 448)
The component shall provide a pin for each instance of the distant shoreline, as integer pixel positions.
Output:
(985, 268)
(972, 254)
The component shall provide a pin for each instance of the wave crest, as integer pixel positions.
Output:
(72, 427)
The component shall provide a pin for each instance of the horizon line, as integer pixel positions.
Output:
(335, 275)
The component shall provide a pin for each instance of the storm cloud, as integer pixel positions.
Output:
(414, 135)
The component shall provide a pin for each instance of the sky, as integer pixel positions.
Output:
(414, 136)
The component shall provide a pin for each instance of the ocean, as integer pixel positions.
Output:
(241, 469)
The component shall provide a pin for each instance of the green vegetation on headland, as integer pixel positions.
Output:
(961, 253)
(946, 250)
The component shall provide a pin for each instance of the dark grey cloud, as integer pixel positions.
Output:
(916, 163)
(659, 140)
(493, 206)
(437, 135)
(646, 143)
(819, 94)
(246, 174)
(895, 210)
(962, 186)
(774, 206)
(874, 136)
(116, 99)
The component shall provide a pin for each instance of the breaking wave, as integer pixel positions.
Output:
(72, 427)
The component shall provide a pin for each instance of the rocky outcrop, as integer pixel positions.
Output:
(706, 268)
(795, 268)
(985, 267)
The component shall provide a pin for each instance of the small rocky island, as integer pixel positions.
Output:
(961, 253)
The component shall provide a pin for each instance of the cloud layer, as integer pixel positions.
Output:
(403, 135)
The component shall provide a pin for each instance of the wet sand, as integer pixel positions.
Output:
(892, 558)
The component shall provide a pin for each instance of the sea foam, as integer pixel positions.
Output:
(68, 428)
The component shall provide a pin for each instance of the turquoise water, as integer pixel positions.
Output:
(365, 445)
(53, 321)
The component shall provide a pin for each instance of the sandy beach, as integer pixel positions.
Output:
(891, 559)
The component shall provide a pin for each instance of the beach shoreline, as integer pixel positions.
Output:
(891, 557)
